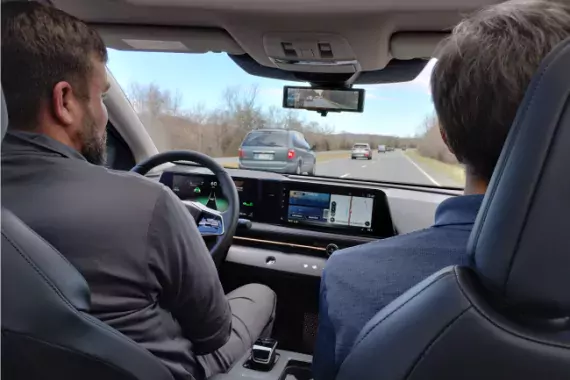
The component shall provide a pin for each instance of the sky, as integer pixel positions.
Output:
(389, 109)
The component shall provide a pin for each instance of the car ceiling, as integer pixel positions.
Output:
(333, 39)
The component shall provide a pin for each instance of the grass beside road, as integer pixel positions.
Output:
(454, 172)
(327, 156)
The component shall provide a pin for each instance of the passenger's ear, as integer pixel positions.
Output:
(64, 104)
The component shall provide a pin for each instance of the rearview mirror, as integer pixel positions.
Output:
(314, 147)
(323, 99)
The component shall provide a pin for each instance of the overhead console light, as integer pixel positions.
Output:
(281, 61)
(307, 66)
(325, 50)
(289, 50)
(311, 52)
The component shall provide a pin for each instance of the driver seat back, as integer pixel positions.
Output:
(508, 316)
(47, 332)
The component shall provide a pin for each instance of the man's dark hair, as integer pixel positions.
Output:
(482, 73)
(42, 46)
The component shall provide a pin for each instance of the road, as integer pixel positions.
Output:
(321, 103)
(393, 166)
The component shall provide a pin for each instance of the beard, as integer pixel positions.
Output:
(94, 146)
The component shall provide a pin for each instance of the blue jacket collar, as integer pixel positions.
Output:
(459, 210)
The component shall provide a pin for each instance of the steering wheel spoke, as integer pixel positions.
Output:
(210, 222)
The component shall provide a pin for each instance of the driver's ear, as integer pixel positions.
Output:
(64, 104)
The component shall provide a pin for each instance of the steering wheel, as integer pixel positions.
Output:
(221, 225)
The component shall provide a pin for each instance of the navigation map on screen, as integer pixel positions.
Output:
(330, 209)
(205, 190)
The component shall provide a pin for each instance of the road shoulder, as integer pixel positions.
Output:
(439, 172)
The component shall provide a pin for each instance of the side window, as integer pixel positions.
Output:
(295, 140)
(119, 155)
(298, 141)
(305, 143)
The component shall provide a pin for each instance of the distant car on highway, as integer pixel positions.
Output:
(381, 148)
(277, 150)
(389, 148)
(361, 150)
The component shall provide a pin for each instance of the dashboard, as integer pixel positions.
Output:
(291, 224)
(297, 204)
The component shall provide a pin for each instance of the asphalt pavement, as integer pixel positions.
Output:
(393, 166)
(321, 103)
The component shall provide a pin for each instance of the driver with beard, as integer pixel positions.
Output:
(149, 271)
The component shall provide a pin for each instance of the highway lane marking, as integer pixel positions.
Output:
(363, 166)
(421, 170)
(345, 175)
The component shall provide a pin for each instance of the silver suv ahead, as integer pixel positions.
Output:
(277, 150)
(361, 150)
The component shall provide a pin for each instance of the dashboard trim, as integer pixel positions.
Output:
(275, 260)
(292, 245)
(303, 237)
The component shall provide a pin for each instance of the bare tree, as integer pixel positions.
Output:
(151, 99)
(431, 143)
(243, 108)
(219, 132)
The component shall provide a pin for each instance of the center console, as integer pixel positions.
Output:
(288, 366)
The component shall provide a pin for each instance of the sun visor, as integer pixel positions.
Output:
(168, 39)
(405, 46)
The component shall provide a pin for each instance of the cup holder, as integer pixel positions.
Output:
(297, 370)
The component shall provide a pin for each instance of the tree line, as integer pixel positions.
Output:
(219, 132)
(430, 143)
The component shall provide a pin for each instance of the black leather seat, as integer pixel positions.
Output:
(47, 332)
(508, 318)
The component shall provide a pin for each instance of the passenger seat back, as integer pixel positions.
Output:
(508, 317)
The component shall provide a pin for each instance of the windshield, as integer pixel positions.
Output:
(206, 103)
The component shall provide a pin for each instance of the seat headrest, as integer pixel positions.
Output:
(4, 117)
(521, 239)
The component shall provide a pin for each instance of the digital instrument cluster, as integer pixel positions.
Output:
(206, 190)
(292, 203)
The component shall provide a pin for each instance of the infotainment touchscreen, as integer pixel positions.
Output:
(330, 210)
